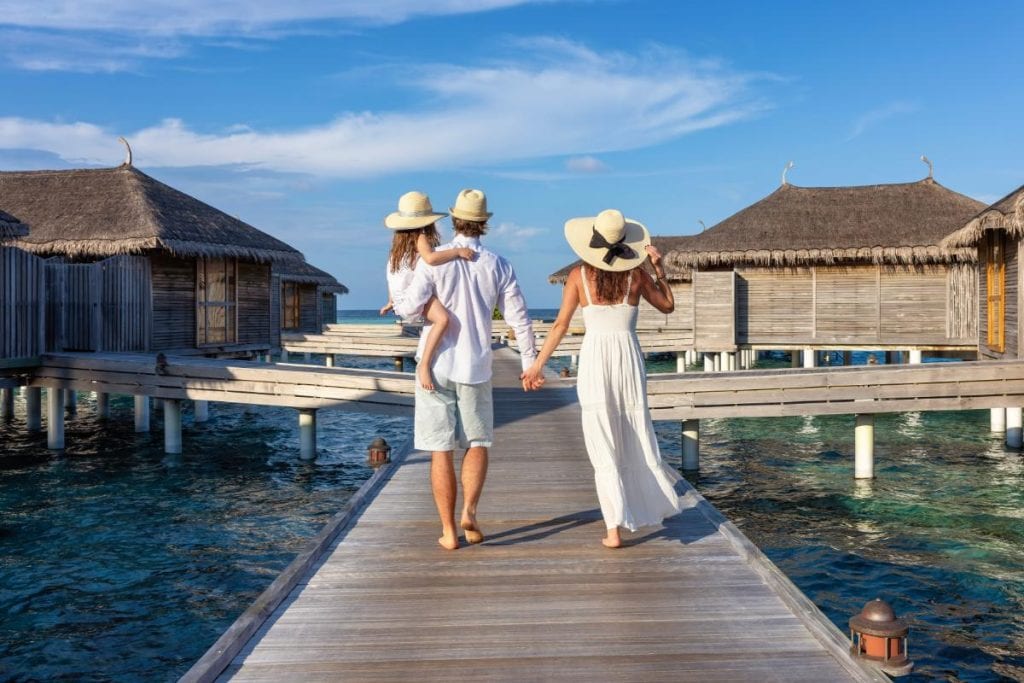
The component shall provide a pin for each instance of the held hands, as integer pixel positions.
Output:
(533, 378)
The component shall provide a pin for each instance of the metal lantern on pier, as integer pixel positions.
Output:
(379, 452)
(880, 637)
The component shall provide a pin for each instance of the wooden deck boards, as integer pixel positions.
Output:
(541, 599)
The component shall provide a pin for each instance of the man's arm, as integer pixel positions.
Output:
(513, 308)
(411, 302)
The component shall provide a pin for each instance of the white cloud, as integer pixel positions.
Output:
(512, 236)
(223, 17)
(876, 116)
(585, 164)
(567, 101)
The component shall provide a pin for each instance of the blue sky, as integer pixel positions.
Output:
(309, 119)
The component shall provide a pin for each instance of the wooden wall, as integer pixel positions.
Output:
(856, 305)
(254, 317)
(328, 308)
(174, 302)
(22, 304)
(275, 309)
(125, 299)
(309, 309)
(714, 295)
(650, 318)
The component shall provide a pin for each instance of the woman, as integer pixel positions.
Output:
(634, 486)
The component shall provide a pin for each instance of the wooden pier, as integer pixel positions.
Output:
(376, 599)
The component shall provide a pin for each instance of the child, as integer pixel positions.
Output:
(415, 238)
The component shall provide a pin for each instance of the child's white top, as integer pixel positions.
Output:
(399, 281)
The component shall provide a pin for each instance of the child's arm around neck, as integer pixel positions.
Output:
(436, 258)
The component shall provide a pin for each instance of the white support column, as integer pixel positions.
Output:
(691, 357)
(731, 360)
(1014, 432)
(691, 445)
(200, 411)
(810, 358)
(172, 425)
(102, 405)
(795, 359)
(55, 419)
(680, 361)
(574, 361)
(142, 413)
(864, 447)
(709, 362)
(915, 357)
(33, 408)
(329, 360)
(71, 401)
(997, 420)
(307, 434)
(719, 362)
(284, 355)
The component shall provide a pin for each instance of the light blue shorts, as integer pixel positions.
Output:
(454, 415)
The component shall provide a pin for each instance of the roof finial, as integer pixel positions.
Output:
(128, 156)
(702, 226)
(931, 169)
(789, 165)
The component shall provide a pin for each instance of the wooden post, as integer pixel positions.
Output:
(102, 405)
(864, 447)
(7, 404)
(55, 419)
(680, 361)
(915, 357)
(1014, 431)
(142, 413)
(329, 360)
(810, 358)
(709, 362)
(172, 426)
(307, 434)
(200, 411)
(71, 401)
(719, 362)
(731, 356)
(997, 420)
(33, 408)
(691, 445)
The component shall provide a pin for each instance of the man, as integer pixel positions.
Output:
(460, 410)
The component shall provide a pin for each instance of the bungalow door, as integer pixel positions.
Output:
(995, 279)
(291, 309)
(216, 301)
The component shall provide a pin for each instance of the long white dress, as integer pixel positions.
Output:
(634, 485)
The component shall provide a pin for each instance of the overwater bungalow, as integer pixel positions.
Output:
(305, 298)
(818, 268)
(997, 233)
(136, 265)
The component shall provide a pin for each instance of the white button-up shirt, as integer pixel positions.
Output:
(469, 290)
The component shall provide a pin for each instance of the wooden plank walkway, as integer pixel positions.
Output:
(541, 599)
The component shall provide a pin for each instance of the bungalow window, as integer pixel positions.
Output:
(995, 279)
(290, 302)
(216, 301)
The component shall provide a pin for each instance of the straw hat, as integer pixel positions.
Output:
(414, 211)
(608, 241)
(471, 205)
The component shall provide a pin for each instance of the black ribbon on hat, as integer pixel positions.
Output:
(615, 249)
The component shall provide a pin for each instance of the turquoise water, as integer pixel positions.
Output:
(120, 563)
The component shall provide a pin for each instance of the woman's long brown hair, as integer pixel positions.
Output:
(403, 246)
(610, 287)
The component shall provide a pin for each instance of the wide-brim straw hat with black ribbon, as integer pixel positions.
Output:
(608, 241)
(414, 211)
(471, 205)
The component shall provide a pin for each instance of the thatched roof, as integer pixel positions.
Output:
(1006, 214)
(308, 274)
(663, 244)
(107, 211)
(900, 223)
(11, 227)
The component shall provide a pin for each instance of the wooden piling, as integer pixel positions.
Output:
(1014, 433)
(55, 419)
(691, 445)
(200, 411)
(172, 426)
(33, 409)
(864, 447)
(102, 405)
(6, 404)
(71, 401)
(142, 413)
(307, 434)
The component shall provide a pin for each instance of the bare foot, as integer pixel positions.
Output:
(612, 540)
(449, 541)
(469, 525)
(423, 375)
